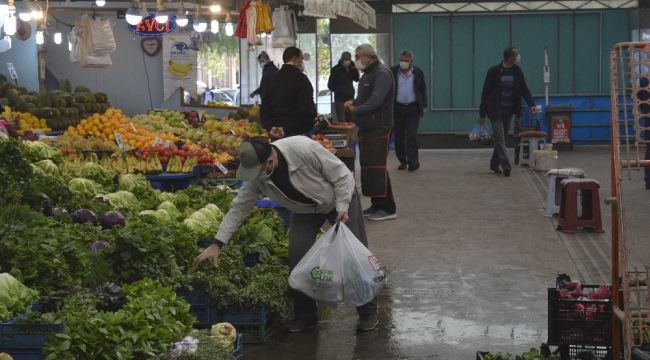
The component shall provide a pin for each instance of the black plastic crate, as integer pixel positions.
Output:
(238, 354)
(574, 352)
(579, 322)
(255, 333)
(640, 354)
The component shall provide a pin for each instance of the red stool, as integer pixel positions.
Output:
(590, 201)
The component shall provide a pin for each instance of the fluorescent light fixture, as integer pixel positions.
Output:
(37, 11)
(200, 25)
(40, 37)
(214, 26)
(25, 12)
(58, 38)
(100, 3)
(182, 20)
(229, 27)
(215, 8)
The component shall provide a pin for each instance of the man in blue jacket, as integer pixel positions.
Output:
(410, 106)
(503, 89)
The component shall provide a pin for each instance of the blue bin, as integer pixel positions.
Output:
(26, 341)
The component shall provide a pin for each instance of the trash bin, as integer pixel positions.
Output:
(558, 123)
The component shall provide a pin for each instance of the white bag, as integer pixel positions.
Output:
(338, 268)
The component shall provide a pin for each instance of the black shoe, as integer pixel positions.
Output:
(495, 169)
(300, 325)
(506, 172)
(402, 166)
(413, 167)
(369, 211)
(368, 322)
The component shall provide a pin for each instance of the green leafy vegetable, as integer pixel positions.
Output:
(84, 188)
(130, 182)
(34, 151)
(14, 296)
(122, 200)
(98, 174)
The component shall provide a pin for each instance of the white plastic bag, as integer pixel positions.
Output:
(338, 268)
(481, 134)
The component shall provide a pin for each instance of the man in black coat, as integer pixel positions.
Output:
(410, 106)
(268, 70)
(340, 83)
(503, 89)
(288, 106)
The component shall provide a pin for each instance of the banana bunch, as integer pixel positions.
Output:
(264, 22)
(179, 69)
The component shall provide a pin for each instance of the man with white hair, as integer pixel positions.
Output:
(373, 113)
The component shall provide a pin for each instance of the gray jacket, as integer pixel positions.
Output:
(375, 97)
(313, 171)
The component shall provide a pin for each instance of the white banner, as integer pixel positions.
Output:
(179, 64)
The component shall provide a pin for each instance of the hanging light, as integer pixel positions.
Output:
(134, 14)
(10, 24)
(58, 38)
(214, 26)
(40, 37)
(37, 11)
(215, 8)
(200, 25)
(229, 27)
(181, 18)
(161, 17)
(25, 12)
(100, 3)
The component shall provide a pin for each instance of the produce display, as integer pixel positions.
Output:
(107, 255)
(325, 142)
(532, 354)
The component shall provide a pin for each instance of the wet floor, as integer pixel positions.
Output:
(470, 259)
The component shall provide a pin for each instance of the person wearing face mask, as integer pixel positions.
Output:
(373, 114)
(288, 106)
(268, 70)
(503, 89)
(410, 105)
(340, 83)
(316, 187)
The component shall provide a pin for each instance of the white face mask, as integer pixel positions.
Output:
(404, 65)
(359, 65)
(518, 59)
(347, 63)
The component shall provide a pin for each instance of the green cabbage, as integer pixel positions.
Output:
(129, 182)
(204, 222)
(171, 209)
(122, 200)
(48, 166)
(84, 188)
(36, 151)
(224, 334)
(159, 215)
(98, 174)
(214, 210)
(14, 296)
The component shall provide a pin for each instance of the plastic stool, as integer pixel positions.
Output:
(569, 221)
(554, 192)
(528, 143)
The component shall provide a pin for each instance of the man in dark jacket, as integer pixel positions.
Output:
(340, 83)
(503, 89)
(410, 105)
(288, 107)
(373, 114)
(268, 70)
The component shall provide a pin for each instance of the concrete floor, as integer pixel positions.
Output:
(470, 258)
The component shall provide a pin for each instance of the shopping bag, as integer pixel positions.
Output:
(481, 134)
(338, 268)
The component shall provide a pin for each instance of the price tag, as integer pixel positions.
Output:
(168, 143)
(221, 168)
(119, 141)
(12, 71)
(157, 141)
(133, 127)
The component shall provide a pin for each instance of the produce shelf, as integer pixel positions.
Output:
(172, 181)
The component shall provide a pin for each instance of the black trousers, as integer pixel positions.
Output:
(407, 121)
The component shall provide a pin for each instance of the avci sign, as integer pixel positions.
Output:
(150, 27)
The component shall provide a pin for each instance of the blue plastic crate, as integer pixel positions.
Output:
(26, 341)
(282, 212)
(257, 316)
(205, 314)
(255, 333)
(238, 354)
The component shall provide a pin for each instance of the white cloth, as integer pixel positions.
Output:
(251, 26)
